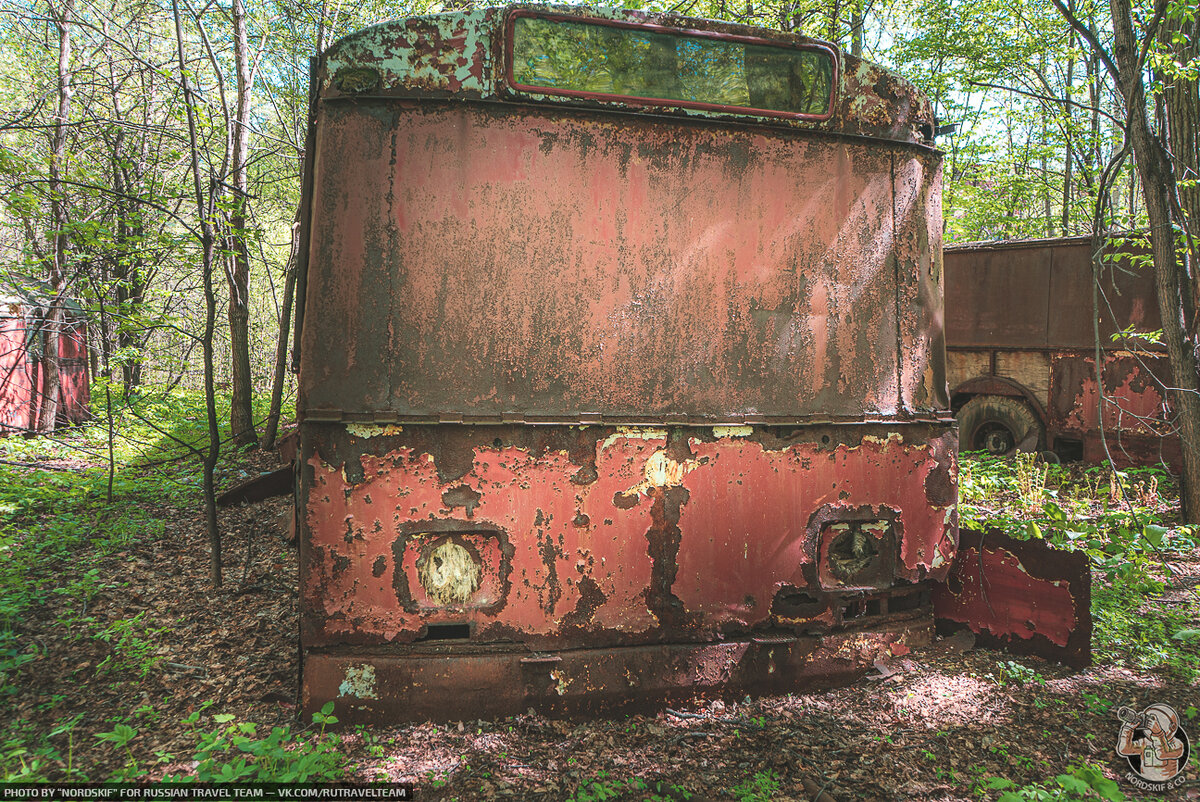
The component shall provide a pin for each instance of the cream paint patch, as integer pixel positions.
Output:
(662, 471)
(634, 433)
(733, 431)
(368, 430)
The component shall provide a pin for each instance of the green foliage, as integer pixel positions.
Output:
(762, 787)
(131, 649)
(604, 786)
(233, 752)
(1010, 672)
(58, 529)
(1079, 783)
(1126, 629)
(1120, 539)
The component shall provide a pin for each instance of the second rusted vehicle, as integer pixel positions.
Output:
(1022, 348)
(621, 365)
(25, 326)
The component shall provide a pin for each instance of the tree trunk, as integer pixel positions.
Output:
(206, 205)
(1182, 99)
(856, 29)
(1178, 313)
(56, 264)
(241, 416)
(271, 428)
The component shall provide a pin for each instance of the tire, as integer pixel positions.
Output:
(998, 424)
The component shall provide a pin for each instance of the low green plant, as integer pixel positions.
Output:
(1081, 783)
(1127, 630)
(762, 787)
(132, 644)
(233, 752)
(120, 736)
(1096, 705)
(604, 786)
(1010, 672)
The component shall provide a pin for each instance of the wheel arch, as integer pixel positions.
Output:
(998, 385)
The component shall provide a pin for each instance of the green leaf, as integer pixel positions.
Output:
(1154, 534)
(1069, 782)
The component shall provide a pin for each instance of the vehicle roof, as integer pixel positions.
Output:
(459, 55)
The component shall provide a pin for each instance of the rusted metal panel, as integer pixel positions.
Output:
(1128, 298)
(730, 337)
(917, 198)
(279, 482)
(430, 685)
(16, 383)
(1037, 294)
(997, 298)
(1137, 416)
(522, 261)
(1133, 393)
(1022, 595)
(567, 537)
(461, 55)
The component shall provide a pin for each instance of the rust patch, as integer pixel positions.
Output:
(461, 496)
(590, 600)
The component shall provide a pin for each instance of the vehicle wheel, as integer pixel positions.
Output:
(998, 425)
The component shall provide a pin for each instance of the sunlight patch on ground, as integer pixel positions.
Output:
(947, 699)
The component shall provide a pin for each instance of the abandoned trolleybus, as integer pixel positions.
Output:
(621, 365)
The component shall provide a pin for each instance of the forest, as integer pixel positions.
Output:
(152, 155)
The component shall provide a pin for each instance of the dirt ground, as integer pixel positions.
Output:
(950, 716)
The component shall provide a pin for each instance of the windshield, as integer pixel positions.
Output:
(569, 57)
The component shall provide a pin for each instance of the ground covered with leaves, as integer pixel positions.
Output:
(119, 660)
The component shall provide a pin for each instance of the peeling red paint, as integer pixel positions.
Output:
(1023, 595)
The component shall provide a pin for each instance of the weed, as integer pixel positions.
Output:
(233, 752)
(604, 786)
(120, 736)
(1096, 705)
(131, 649)
(1010, 672)
(762, 787)
(1031, 480)
(1083, 782)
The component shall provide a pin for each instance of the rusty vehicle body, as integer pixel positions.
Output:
(1022, 348)
(23, 331)
(608, 398)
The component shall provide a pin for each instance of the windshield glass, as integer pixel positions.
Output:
(570, 57)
